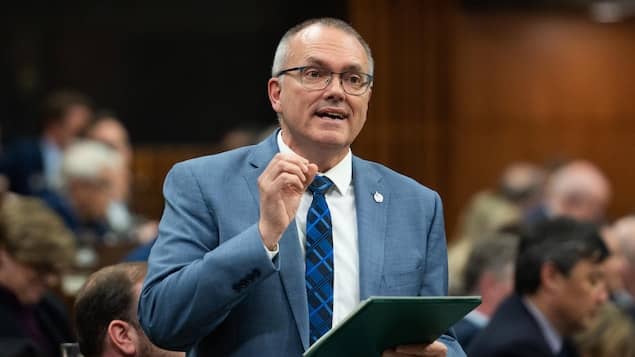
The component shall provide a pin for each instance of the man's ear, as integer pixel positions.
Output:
(274, 89)
(123, 337)
(550, 277)
(487, 282)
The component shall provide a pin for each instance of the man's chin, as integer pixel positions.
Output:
(335, 139)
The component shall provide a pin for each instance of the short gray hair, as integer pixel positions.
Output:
(86, 159)
(282, 51)
(492, 254)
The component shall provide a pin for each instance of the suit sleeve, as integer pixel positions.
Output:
(193, 282)
(436, 270)
(435, 282)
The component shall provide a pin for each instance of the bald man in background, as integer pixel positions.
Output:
(578, 190)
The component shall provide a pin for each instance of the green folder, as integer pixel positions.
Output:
(379, 323)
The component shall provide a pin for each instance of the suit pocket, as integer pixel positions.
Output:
(403, 282)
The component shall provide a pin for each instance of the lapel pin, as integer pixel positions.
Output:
(378, 197)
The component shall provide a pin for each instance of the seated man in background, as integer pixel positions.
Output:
(577, 189)
(33, 165)
(34, 247)
(518, 192)
(559, 288)
(108, 129)
(489, 272)
(87, 172)
(106, 314)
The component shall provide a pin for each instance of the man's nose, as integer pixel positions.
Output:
(335, 88)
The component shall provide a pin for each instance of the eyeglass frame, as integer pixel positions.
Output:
(370, 78)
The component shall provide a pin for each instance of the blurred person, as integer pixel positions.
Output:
(485, 214)
(577, 189)
(33, 165)
(106, 314)
(489, 272)
(559, 288)
(522, 183)
(87, 172)
(519, 190)
(240, 229)
(35, 247)
(616, 264)
(108, 129)
(623, 235)
(611, 334)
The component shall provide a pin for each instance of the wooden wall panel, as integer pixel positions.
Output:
(408, 124)
(534, 87)
(406, 119)
(151, 163)
(460, 95)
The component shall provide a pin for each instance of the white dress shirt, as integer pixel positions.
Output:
(341, 202)
(52, 157)
(554, 340)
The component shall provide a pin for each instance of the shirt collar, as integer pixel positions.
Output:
(50, 147)
(478, 318)
(341, 174)
(554, 340)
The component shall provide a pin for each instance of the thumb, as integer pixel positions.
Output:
(310, 175)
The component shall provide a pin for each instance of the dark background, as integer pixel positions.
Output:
(462, 88)
(174, 71)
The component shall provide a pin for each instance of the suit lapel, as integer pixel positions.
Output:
(290, 257)
(371, 201)
(292, 268)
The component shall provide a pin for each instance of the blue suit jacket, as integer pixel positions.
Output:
(465, 331)
(23, 164)
(212, 289)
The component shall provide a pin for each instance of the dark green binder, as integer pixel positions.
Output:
(383, 322)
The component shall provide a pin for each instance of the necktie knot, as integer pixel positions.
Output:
(320, 184)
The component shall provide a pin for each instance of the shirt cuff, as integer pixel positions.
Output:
(272, 253)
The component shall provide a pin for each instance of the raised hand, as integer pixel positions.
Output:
(281, 186)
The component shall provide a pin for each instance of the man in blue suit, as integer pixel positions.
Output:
(33, 165)
(228, 275)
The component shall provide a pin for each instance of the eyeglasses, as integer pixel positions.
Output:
(316, 78)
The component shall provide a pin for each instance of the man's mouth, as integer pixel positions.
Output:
(331, 114)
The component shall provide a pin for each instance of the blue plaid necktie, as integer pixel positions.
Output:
(319, 260)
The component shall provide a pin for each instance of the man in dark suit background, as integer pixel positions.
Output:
(32, 165)
(559, 287)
